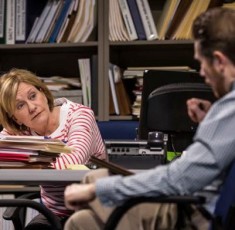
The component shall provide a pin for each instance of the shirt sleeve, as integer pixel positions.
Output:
(84, 137)
(204, 160)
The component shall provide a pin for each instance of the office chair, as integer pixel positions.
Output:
(17, 208)
(222, 219)
(166, 111)
(154, 79)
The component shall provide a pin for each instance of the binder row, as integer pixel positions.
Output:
(47, 21)
(131, 20)
(56, 21)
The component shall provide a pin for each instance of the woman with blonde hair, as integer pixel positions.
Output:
(27, 107)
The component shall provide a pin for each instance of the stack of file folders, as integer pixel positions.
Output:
(30, 151)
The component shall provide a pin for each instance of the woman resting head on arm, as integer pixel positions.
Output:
(27, 107)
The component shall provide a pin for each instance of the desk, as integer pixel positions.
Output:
(40, 176)
(35, 177)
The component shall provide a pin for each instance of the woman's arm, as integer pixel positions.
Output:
(84, 137)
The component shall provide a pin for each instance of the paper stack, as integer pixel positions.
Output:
(30, 151)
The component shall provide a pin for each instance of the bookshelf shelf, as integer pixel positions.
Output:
(46, 60)
(84, 49)
(50, 45)
(153, 43)
(152, 54)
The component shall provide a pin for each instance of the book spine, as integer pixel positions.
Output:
(84, 70)
(2, 21)
(10, 22)
(177, 17)
(137, 19)
(38, 23)
(81, 72)
(49, 22)
(113, 90)
(128, 19)
(65, 22)
(70, 23)
(88, 79)
(147, 19)
(77, 22)
(94, 83)
(122, 97)
(60, 20)
(88, 33)
(20, 21)
(84, 20)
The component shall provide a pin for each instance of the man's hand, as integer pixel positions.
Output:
(197, 109)
(78, 195)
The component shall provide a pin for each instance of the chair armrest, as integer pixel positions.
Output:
(14, 206)
(35, 205)
(11, 212)
(118, 212)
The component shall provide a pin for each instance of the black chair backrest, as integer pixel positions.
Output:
(167, 109)
(154, 79)
(167, 112)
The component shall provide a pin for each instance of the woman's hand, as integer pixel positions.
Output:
(197, 109)
(78, 195)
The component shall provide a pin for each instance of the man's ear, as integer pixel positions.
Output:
(219, 60)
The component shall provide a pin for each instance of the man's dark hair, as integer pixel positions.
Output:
(215, 30)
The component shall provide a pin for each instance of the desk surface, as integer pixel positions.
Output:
(40, 176)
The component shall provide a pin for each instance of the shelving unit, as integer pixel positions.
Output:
(61, 59)
(143, 53)
(146, 53)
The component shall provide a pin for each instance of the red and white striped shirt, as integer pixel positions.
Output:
(78, 129)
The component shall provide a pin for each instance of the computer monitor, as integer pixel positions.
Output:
(154, 79)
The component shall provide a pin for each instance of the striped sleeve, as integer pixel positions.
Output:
(83, 136)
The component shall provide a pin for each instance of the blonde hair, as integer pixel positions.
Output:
(9, 84)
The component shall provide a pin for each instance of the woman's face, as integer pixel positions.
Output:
(31, 108)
